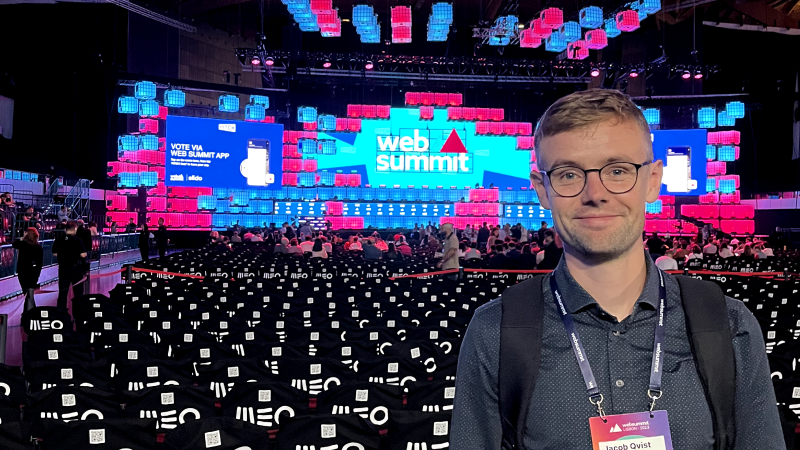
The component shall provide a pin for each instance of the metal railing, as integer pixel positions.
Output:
(101, 245)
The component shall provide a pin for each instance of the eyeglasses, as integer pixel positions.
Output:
(617, 177)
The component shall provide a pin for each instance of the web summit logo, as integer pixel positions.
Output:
(231, 127)
(411, 152)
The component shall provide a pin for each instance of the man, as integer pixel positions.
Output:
(307, 244)
(472, 252)
(655, 246)
(499, 260)
(257, 238)
(403, 247)
(550, 255)
(85, 235)
(514, 252)
(130, 227)
(711, 248)
(162, 238)
(682, 251)
(523, 234)
(236, 238)
(483, 235)
(469, 233)
(306, 230)
(63, 213)
(667, 262)
(597, 173)
(540, 234)
(70, 252)
(371, 253)
(449, 251)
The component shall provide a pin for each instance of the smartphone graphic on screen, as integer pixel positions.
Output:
(256, 167)
(679, 176)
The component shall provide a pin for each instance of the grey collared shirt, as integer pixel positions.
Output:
(620, 354)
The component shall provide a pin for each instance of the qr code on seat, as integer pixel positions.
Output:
(97, 436)
(440, 428)
(328, 431)
(213, 439)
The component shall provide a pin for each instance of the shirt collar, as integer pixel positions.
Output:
(576, 298)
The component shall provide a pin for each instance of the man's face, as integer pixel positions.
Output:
(597, 224)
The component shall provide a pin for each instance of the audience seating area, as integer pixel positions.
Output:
(266, 351)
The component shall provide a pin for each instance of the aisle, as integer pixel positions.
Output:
(48, 296)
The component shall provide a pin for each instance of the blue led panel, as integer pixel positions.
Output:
(707, 117)
(144, 90)
(735, 110)
(228, 103)
(148, 142)
(127, 142)
(571, 31)
(653, 208)
(555, 43)
(591, 17)
(254, 112)
(611, 28)
(727, 153)
(306, 114)
(442, 13)
(724, 120)
(727, 186)
(262, 100)
(652, 116)
(711, 152)
(174, 98)
(128, 105)
(307, 146)
(326, 122)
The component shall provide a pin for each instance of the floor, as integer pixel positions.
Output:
(48, 295)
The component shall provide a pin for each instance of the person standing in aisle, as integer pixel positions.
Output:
(144, 243)
(85, 235)
(29, 264)
(70, 252)
(162, 238)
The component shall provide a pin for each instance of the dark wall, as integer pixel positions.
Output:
(62, 84)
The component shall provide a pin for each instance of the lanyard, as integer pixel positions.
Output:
(595, 397)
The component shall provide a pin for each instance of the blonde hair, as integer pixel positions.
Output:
(582, 109)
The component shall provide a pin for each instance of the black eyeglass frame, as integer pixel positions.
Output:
(599, 171)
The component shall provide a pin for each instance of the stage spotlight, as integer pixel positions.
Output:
(255, 60)
(269, 61)
(634, 73)
(698, 74)
(326, 64)
(369, 65)
(595, 73)
(686, 75)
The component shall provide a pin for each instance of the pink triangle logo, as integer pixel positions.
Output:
(453, 144)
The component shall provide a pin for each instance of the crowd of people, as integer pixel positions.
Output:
(668, 251)
(507, 247)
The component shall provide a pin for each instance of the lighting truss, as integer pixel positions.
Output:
(144, 12)
(437, 68)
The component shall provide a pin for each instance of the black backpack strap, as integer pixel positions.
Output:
(520, 356)
(709, 334)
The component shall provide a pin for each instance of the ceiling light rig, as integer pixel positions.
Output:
(455, 68)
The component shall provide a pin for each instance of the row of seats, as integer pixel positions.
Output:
(266, 348)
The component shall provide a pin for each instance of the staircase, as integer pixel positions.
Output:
(73, 195)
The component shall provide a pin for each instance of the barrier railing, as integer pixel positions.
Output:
(674, 272)
(101, 245)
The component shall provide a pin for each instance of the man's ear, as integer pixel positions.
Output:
(656, 171)
(537, 181)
